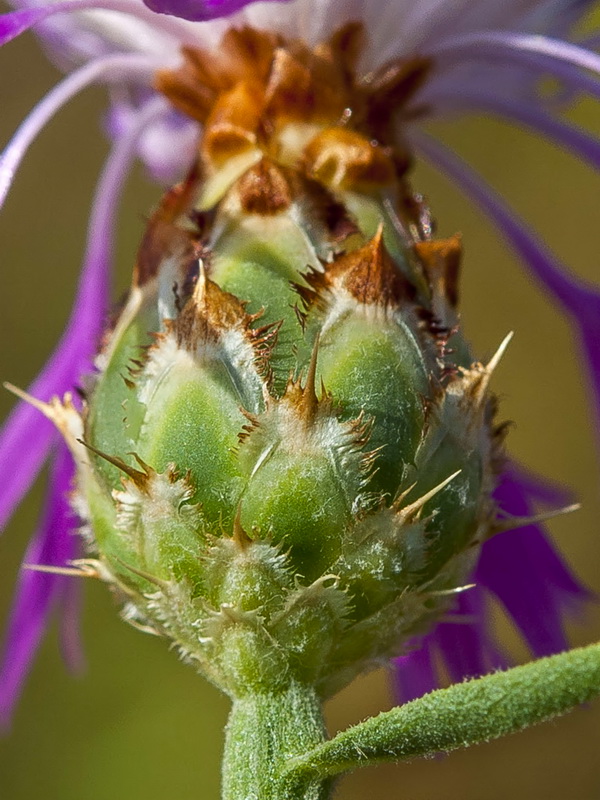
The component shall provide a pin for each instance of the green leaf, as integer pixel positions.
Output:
(462, 715)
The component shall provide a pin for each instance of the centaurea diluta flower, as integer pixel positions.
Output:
(414, 62)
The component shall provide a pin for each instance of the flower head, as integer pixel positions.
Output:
(412, 62)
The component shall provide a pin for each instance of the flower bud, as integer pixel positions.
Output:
(287, 455)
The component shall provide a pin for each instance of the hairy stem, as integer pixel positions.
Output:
(263, 733)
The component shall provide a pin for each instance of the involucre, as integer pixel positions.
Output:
(286, 459)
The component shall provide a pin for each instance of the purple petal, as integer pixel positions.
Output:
(200, 10)
(580, 299)
(528, 576)
(571, 64)
(15, 23)
(564, 60)
(36, 592)
(517, 494)
(414, 673)
(25, 441)
(27, 435)
(464, 642)
(167, 148)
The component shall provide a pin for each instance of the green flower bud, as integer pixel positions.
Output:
(287, 456)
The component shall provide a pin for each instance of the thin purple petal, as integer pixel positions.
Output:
(528, 576)
(25, 441)
(553, 56)
(589, 323)
(200, 10)
(517, 495)
(36, 592)
(15, 23)
(167, 148)
(464, 642)
(571, 64)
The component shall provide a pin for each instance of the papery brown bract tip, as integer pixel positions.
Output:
(346, 159)
(264, 189)
(441, 260)
(163, 238)
(370, 275)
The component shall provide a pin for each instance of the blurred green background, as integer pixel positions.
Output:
(138, 724)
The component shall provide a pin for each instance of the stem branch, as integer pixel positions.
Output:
(462, 715)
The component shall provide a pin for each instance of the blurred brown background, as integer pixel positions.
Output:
(138, 724)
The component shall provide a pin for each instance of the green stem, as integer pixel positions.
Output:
(263, 733)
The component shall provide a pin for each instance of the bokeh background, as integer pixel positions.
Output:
(137, 724)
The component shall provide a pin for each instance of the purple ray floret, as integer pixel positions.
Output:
(200, 10)
(526, 574)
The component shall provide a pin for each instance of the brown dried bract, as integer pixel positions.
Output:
(211, 312)
(264, 189)
(344, 47)
(208, 313)
(304, 87)
(244, 55)
(368, 274)
(441, 262)
(345, 159)
(392, 87)
(163, 238)
(140, 478)
(233, 122)
(329, 219)
(301, 393)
